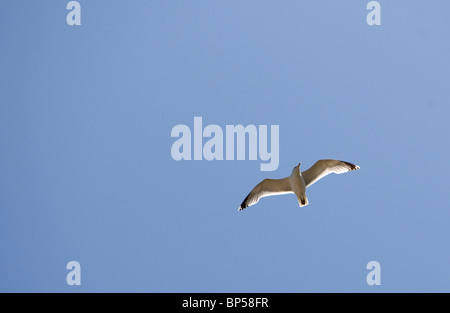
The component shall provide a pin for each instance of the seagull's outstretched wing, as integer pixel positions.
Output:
(268, 187)
(324, 167)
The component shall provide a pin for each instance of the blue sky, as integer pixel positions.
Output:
(86, 172)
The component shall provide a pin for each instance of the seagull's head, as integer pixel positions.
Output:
(296, 169)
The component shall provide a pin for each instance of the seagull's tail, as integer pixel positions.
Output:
(303, 201)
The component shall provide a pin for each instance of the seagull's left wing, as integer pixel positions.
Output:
(268, 187)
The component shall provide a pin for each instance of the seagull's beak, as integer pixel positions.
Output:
(298, 165)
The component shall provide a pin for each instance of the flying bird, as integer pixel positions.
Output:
(297, 182)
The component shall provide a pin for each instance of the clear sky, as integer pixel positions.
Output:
(86, 172)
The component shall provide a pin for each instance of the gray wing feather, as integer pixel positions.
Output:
(268, 187)
(324, 167)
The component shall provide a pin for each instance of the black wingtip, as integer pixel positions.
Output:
(243, 204)
(352, 166)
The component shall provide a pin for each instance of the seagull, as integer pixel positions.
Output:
(297, 182)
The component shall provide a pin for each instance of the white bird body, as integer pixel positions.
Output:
(297, 182)
(298, 186)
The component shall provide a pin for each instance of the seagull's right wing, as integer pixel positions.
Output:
(324, 167)
(268, 187)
